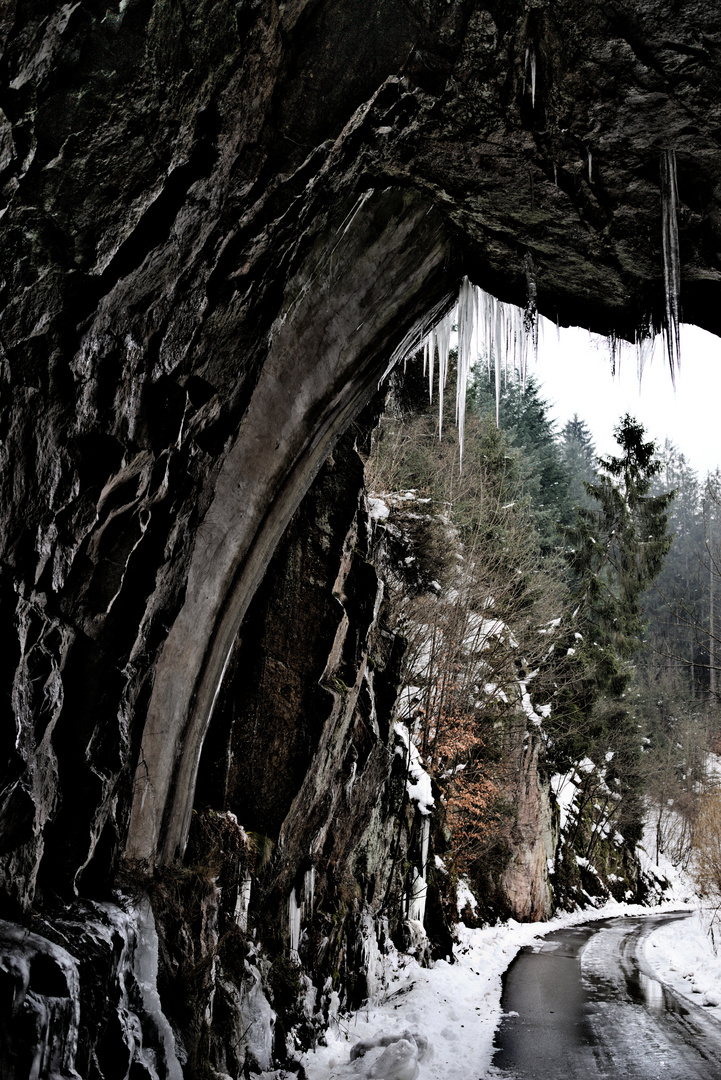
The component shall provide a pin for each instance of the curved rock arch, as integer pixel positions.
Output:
(369, 284)
(168, 171)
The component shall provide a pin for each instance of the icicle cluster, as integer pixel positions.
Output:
(671, 261)
(497, 332)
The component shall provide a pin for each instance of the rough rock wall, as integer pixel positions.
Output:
(219, 220)
(534, 838)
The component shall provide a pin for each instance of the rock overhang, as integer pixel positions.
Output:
(168, 174)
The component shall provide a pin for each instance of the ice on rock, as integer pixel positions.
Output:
(145, 965)
(294, 916)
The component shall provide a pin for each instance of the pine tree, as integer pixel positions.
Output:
(578, 454)
(528, 428)
(618, 548)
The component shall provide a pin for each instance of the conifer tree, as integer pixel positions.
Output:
(525, 421)
(617, 548)
(578, 454)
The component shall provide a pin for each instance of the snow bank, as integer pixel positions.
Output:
(682, 955)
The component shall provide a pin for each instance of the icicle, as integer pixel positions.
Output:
(615, 354)
(530, 317)
(671, 260)
(645, 344)
(443, 338)
(555, 174)
(530, 60)
(430, 353)
(467, 351)
(590, 167)
(486, 326)
(309, 891)
(294, 924)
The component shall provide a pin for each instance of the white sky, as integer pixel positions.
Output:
(574, 371)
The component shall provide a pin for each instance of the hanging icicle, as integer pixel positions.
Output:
(671, 260)
(497, 332)
(530, 63)
(645, 342)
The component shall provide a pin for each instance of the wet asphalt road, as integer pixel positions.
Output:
(589, 1008)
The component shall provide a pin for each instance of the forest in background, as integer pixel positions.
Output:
(553, 597)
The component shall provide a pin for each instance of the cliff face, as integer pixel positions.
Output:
(219, 221)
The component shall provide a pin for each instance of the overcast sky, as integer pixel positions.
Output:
(574, 370)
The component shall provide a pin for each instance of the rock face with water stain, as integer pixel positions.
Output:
(219, 221)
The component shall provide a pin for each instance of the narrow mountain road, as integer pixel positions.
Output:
(583, 1005)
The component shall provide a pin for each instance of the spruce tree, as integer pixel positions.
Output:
(578, 454)
(617, 548)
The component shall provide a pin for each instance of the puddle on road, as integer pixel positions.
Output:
(649, 992)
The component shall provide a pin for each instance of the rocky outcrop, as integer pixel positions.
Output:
(525, 883)
(221, 221)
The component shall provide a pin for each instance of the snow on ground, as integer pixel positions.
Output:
(439, 1023)
(455, 1007)
(681, 954)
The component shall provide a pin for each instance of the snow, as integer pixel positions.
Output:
(456, 1006)
(418, 783)
(681, 954)
(379, 510)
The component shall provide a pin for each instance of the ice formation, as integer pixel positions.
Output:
(294, 913)
(487, 327)
(419, 885)
(671, 260)
(242, 903)
(531, 63)
(163, 1061)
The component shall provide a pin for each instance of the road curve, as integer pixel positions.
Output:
(583, 1005)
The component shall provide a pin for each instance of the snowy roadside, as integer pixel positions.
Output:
(682, 956)
(456, 1007)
